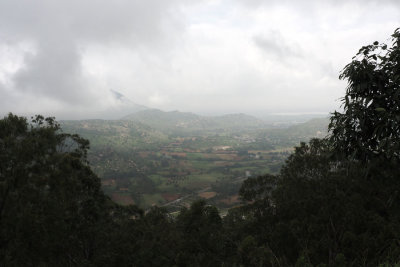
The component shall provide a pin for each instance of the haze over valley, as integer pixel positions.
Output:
(152, 157)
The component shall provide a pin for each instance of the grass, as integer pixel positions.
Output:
(168, 188)
(157, 179)
(203, 165)
(150, 199)
(199, 181)
(194, 156)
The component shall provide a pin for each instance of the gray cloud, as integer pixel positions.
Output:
(275, 45)
(258, 3)
(209, 55)
(91, 20)
(53, 71)
(60, 30)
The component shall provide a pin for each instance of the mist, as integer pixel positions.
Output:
(66, 58)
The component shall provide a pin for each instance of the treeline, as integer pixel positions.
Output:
(335, 202)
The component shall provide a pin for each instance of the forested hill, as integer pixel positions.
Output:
(116, 134)
(185, 122)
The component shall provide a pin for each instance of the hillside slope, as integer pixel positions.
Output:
(185, 122)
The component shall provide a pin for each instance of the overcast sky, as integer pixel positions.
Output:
(63, 58)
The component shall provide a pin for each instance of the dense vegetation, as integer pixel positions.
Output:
(335, 202)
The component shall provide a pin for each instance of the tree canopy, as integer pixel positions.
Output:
(48, 194)
(335, 201)
(370, 124)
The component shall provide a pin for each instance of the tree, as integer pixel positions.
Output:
(201, 242)
(336, 201)
(370, 124)
(318, 212)
(51, 203)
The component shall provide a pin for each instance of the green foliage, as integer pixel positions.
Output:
(47, 194)
(335, 201)
(369, 127)
(201, 240)
(318, 211)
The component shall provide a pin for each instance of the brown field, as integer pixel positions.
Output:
(144, 154)
(209, 155)
(122, 199)
(170, 197)
(231, 200)
(207, 195)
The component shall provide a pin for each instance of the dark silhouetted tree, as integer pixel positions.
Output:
(370, 124)
(51, 203)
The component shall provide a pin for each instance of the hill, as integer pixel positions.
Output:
(116, 134)
(176, 122)
(119, 105)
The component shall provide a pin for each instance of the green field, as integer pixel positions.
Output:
(151, 165)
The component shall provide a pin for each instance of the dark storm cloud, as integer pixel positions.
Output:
(60, 30)
(53, 71)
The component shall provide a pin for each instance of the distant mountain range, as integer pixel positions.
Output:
(121, 106)
(152, 120)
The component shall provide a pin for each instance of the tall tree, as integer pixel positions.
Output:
(51, 203)
(370, 124)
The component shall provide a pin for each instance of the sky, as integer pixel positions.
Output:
(68, 58)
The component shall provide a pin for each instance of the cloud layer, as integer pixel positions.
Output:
(63, 58)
